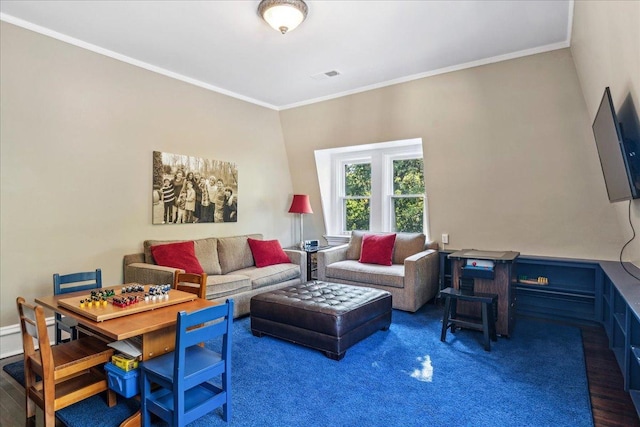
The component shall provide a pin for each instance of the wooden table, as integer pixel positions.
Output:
(501, 283)
(156, 327)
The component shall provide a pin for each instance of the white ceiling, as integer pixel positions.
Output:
(226, 47)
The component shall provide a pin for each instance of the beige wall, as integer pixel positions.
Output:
(77, 134)
(510, 160)
(606, 48)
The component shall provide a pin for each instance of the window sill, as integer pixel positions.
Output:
(336, 240)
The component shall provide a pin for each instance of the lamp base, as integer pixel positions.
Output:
(301, 232)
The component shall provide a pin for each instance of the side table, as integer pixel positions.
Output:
(312, 259)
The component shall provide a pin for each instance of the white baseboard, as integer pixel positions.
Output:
(11, 338)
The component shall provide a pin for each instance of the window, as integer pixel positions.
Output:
(378, 187)
(407, 198)
(356, 202)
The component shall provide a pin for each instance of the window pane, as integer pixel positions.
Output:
(408, 177)
(408, 214)
(357, 214)
(357, 179)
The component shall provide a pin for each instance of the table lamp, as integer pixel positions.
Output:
(300, 205)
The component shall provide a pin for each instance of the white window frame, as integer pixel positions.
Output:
(330, 166)
(339, 196)
(388, 196)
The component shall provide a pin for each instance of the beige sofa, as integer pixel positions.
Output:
(229, 265)
(412, 279)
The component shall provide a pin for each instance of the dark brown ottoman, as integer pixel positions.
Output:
(330, 317)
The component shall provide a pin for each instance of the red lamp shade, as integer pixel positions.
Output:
(300, 204)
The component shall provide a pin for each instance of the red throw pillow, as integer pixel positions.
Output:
(377, 248)
(267, 252)
(177, 255)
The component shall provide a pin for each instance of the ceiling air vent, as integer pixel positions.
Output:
(325, 75)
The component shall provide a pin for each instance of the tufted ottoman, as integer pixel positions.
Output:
(329, 317)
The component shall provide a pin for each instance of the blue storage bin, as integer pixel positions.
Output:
(125, 383)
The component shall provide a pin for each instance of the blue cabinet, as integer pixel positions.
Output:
(559, 288)
(620, 316)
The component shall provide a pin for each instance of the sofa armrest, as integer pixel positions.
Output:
(329, 256)
(300, 258)
(149, 274)
(421, 275)
(131, 258)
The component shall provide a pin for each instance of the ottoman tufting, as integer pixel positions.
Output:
(330, 317)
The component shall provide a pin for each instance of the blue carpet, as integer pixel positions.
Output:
(401, 377)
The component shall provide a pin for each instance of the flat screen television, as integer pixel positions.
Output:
(617, 156)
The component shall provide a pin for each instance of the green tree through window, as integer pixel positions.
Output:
(357, 186)
(408, 195)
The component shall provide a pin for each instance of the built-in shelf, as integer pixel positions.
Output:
(570, 293)
(621, 320)
(550, 289)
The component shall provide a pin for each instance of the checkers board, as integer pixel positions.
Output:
(110, 311)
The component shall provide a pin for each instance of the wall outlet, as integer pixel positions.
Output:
(445, 238)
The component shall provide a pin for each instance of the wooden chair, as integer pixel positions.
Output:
(68, 372)
(73, 282)
(184, 391)
(199, 279)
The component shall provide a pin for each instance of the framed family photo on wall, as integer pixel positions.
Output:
(189, 190)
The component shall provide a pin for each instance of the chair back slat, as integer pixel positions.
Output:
(74, 282)
(179, 280)
(30, 321)
(204, 333)
(203, 325)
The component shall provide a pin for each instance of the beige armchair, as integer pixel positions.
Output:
(412, 279)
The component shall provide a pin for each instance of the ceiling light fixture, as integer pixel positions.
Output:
(283, 15)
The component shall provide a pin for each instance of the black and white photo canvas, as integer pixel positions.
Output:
(190, 190)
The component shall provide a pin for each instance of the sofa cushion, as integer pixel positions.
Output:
(228, 284)
(177, 255)
(267, 252)
(367, 274)
(355, 245)
(207, 254)
(206, 251)
(148, 256)
(407, 244)
(270, 275)
(234, 252)
(377, 248)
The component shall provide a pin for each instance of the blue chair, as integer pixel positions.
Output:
(72, 283)
(184, 392)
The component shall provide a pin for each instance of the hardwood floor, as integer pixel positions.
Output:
(611, 405)
(12, 401)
